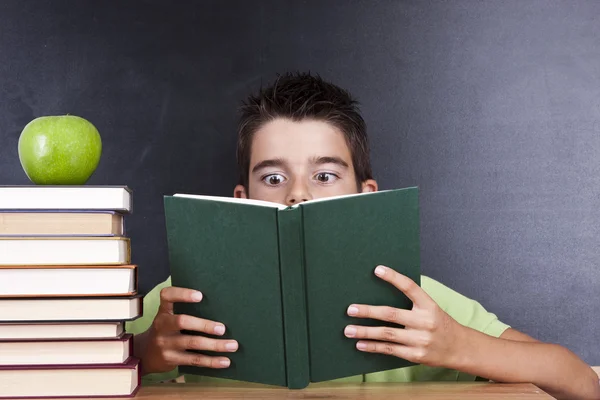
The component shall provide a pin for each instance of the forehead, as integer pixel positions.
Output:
(298, 141)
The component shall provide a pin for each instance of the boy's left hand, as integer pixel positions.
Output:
(430, 336)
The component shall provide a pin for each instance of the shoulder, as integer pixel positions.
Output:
(464, 310)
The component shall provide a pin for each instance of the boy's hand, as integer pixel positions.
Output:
(164, 347)
(430, 335)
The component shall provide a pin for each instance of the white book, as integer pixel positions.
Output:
(87, 197)
(70, 309)
(50, 250)
(118, 280)
(106, 380)
(49, 330)
(66, 352)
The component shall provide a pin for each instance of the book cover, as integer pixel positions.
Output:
(281, 278)
(231, 254)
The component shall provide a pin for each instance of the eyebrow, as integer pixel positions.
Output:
(274, 162)
(281, 163)
(329, 160)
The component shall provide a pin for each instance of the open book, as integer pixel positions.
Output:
(281, 278)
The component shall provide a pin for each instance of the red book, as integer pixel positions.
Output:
(67, 381)
(61, 330)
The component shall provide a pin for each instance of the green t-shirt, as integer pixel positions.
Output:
(466, 311)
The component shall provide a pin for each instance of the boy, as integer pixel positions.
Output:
(302, 139)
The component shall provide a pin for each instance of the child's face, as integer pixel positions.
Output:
(292, 162)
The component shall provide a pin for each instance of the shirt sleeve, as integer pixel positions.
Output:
(149, 310)
(141, 325)
(465, 311)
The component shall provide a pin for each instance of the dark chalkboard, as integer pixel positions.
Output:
(491, 107)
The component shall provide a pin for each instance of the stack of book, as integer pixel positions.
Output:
(67, 286)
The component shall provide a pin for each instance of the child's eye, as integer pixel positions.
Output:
(326, 177)
(273, 179)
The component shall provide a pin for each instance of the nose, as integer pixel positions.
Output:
(298, 193)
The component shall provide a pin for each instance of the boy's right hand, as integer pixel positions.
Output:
(164, 346)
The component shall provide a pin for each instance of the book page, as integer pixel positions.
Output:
(232, 200)
(343, 196)
(271, 204)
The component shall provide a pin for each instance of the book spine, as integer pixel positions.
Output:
(291, 262)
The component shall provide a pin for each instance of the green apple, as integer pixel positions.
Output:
(59, 150)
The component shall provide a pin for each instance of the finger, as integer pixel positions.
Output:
(172, 294)
(193, 342)
(198, 360)
(405, 285)
(184, 322)
(391, 349)
(383, 333)
(384, 313)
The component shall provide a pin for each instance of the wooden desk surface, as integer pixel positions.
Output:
(370, 391)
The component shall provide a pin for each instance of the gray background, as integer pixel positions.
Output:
(491, 107)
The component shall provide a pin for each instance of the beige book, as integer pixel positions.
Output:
(41, 223)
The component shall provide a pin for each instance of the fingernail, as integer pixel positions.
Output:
(197, 296)
(350, 331)
(219, 329)
(380, 271)
(231, 346)
(225, 363)
(352, 310)
(361, 346)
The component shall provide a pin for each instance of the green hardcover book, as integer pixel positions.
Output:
(281, 278)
